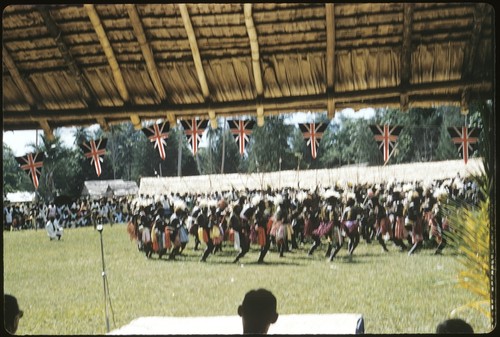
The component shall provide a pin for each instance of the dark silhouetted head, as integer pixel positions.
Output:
(454, 326)
(258, 311)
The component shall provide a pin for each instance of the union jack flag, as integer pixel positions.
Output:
(241, 131)
(312, 134)
(465, 140)
(386, 137)
(94, 150)
(194, 130)
(157, 134)
(32, 163)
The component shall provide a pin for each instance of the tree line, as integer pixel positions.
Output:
(278, 145)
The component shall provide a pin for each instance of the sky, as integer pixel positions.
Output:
(20, 141)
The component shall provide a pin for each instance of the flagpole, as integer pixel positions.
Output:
(179, 155)
(223, 146)
(393, 150)
(279, 174)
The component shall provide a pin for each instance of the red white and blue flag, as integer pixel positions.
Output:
(241, 131)
(386, 137)
(32, 164)
(194, 130)
(157, 134)
(312, 134)
(465, 139)
(95, 150)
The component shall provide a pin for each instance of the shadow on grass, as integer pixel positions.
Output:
(264, 264)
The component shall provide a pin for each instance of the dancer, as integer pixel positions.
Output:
(204, 228)
(349, 223)
(175, 227)
(245, 218)
(311, 222)
(382, 223)
(261, 224)
(414, 218)
(400, 232)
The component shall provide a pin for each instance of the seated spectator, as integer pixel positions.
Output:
(258, 311)
(454, 326)
(12, 314)
(53, 229)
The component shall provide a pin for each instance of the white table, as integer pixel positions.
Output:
(305, 324)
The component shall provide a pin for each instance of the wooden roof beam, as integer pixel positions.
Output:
(55, 32)
(254, 47)
(406, 50)
(103, 123)
(136, 121)
(197, 60)
(195, 51)
(171, 119)
(16, 76)
(146, 50)
(108, 51)
(364, 98)
(47, 129)
(330, 58)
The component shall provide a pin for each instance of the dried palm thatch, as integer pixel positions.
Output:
(107, 63)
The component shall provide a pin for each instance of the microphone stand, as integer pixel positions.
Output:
(105, 280)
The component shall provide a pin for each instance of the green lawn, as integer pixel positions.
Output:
(60, 286)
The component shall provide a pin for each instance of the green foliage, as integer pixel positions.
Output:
(220, 143)
(470, 237)
(348, 142)
(269, 149)
(14, 179)
(472, 227)
(424, 136)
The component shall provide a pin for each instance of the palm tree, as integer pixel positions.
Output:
(52, 149)
(473, 228)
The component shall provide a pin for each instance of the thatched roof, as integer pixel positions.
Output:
(106, 63)
(109, 188)
(310, 179)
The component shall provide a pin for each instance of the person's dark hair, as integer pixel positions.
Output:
(454, 326)
(11, 310)
(258, 311)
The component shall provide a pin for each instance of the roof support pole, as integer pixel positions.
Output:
(108, 51)
(254, 47)
(171, 119)
(47, 129)
(260, 113)
(136, 121)
(330, 58)
(213, 118)
(103, 123)
(406, 55)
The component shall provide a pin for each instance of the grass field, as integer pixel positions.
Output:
(60, 286)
